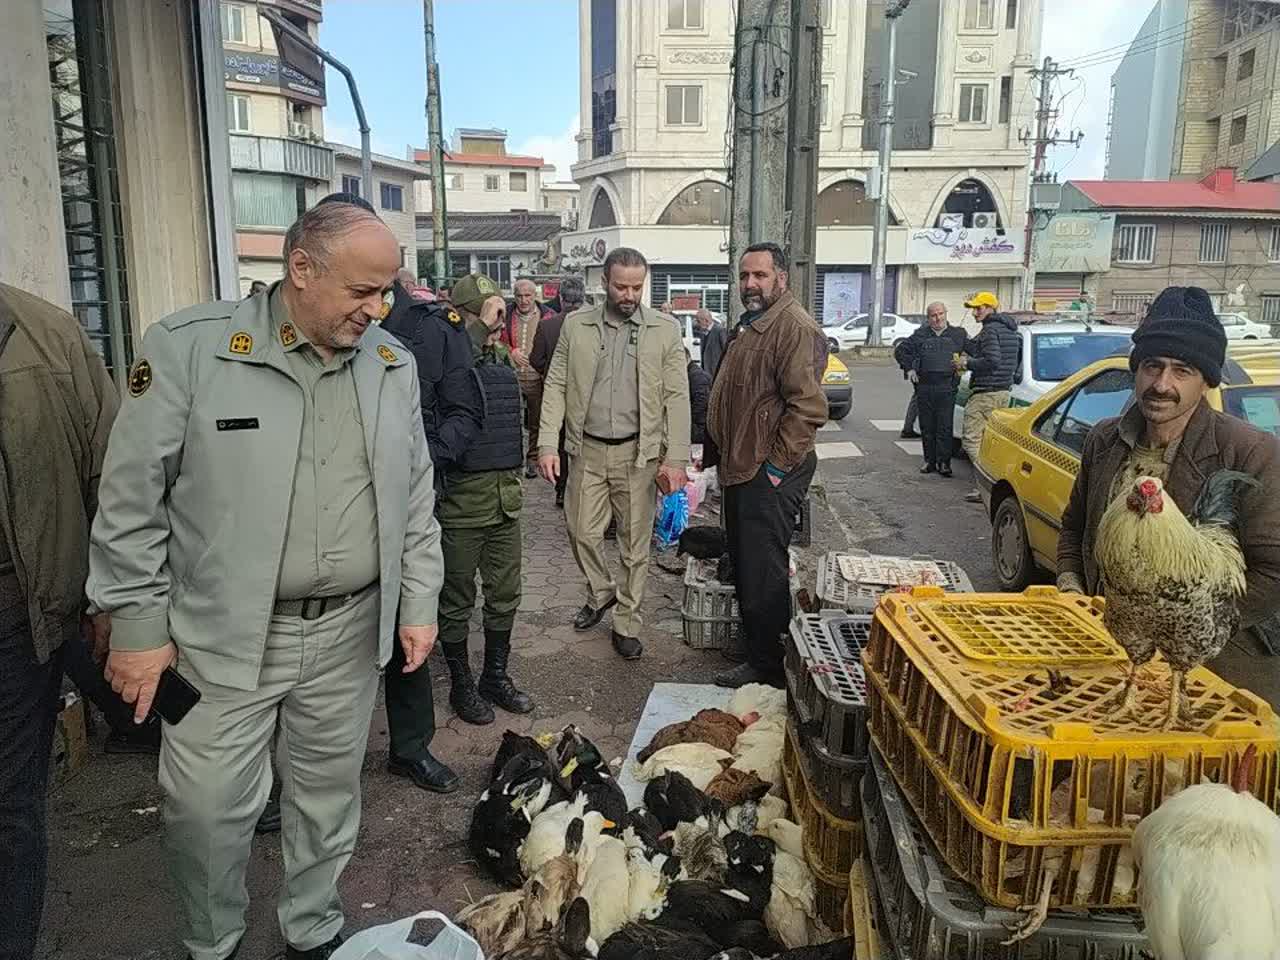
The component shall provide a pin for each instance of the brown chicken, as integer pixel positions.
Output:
(716, 727)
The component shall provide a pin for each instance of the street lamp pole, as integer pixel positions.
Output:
(880, 239)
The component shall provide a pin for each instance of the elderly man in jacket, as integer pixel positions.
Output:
(1173, 434)
(265, 512)
(56, 407)
(765, 410)
(928, 357)
(618, 385)
(992, 359)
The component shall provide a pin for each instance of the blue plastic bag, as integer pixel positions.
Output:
(673, 519)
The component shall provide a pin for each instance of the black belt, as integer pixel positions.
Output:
(611, 441)
(313, 608)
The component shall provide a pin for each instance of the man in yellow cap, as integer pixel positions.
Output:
(992, 359)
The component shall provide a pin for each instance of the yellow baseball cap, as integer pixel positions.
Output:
(984, 298)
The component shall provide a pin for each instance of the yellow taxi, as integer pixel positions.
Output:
(837, 384)
(1030, 455)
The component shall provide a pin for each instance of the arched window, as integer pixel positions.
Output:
(602, 214)
(701, 204)
(845, 204)
(972, 203)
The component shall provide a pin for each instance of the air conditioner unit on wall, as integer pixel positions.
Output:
(299, 130)
(984, 221)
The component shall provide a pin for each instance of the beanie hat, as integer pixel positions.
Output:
(472, 291)
(1181, 323)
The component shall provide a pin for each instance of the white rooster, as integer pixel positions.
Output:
(1209, 873)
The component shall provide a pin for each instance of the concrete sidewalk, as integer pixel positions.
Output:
(109, 895)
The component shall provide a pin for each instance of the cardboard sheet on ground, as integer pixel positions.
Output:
(667, 703)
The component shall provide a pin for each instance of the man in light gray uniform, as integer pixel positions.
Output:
(266, 506)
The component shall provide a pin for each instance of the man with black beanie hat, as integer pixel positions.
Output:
(1171, 433)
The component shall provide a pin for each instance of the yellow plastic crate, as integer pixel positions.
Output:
(860, 920)
(1003, 770)
(830, 890)
(831, 843)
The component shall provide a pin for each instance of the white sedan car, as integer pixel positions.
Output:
(853, 333)
(1238, 326)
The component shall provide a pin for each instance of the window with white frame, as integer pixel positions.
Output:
(495, 266)
(233, 23)
(684, 14)
(1273, 247)
(979, 14)
(1271, 308)
(684, 106)
(973, 103)
(455, 181)
(1135, 243)
(391, 196)
(1213, 242)
(1133, 303)
(237, 113)
(492, 183)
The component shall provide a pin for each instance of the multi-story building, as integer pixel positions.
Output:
(655, 91)
(1203, 77)
(281, 164)
(115, 200)
(393, 188)
(480, 176)
(1218, 233)
(503, 246)
(561, 196)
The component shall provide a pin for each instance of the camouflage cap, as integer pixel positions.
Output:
(471, 291)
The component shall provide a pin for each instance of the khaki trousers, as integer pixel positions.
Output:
(314, 699)
(603, 482)
(976, 413)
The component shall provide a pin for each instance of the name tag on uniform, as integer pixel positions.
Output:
(238, 423)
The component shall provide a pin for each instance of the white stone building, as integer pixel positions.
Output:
(655, 97)
(393, 193)
(562, 197)
(481, 177)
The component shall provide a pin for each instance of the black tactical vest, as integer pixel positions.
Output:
(500, 443)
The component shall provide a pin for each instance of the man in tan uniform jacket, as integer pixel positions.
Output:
(266, 508)
(618, 385)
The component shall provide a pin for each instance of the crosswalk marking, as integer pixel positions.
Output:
(888, 426)
(829, 427)
(835, 451)
(913, 447)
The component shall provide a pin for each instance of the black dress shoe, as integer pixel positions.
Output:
(589, 616)
(928, 468)
(269, 822)
(944, 469)
(628, 648)
(743, 674)
(427, 773)
(909, 435)
(322, 952)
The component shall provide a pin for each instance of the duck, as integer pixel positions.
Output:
(584, 770)
(496, 922)
(759, 749)
(548, 829)
(514, 744)
(502, 817)
(700, 762)
(652, 941)
(764, 701)
(791, 914)
(735, 786)
(647, 829)
(832, 950)
(557, 879)
(568, 940)
(729, 912)
(716, 727)
(700, 846)
(606, 885)
(787, 835)
(673, 799)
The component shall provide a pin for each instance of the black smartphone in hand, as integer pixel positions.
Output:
(175, 696)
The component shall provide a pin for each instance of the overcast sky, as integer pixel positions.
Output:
(514, 64)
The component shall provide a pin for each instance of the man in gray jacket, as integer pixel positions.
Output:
(265, 510)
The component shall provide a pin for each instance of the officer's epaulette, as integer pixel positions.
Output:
(218, 310)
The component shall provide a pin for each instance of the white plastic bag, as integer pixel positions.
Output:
(390, 942)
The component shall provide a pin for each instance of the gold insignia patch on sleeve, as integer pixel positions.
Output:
(386, 353)
(388, 301)
(288, 336)
(454, 318)
(139, 378)
(241, 343)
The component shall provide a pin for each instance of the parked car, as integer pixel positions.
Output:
(1052, 350)
(837, 384)
(1030, 455)
(853, 333)
(1239, 327)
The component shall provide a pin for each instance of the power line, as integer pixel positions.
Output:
(1181, 26)
(1143, 46)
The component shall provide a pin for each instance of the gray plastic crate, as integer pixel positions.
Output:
(837, 593)
(828, 687)
(929, 913)
(710, 610)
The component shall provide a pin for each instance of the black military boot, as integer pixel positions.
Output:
(495, 685)
(467, 704)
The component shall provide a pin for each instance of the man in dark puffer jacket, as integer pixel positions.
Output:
(928, 357)
(993, 359)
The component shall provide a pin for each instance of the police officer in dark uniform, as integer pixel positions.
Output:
(452, 412)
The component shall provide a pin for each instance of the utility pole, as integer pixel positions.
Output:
(880, 239)
(435, 148)
(1044, 138)
(761, 90)
(802, 149)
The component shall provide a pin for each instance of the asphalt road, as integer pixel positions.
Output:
(870, 478)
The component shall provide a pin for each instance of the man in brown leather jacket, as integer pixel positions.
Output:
(765, 410)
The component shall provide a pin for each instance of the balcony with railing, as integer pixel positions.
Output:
(276, 155)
